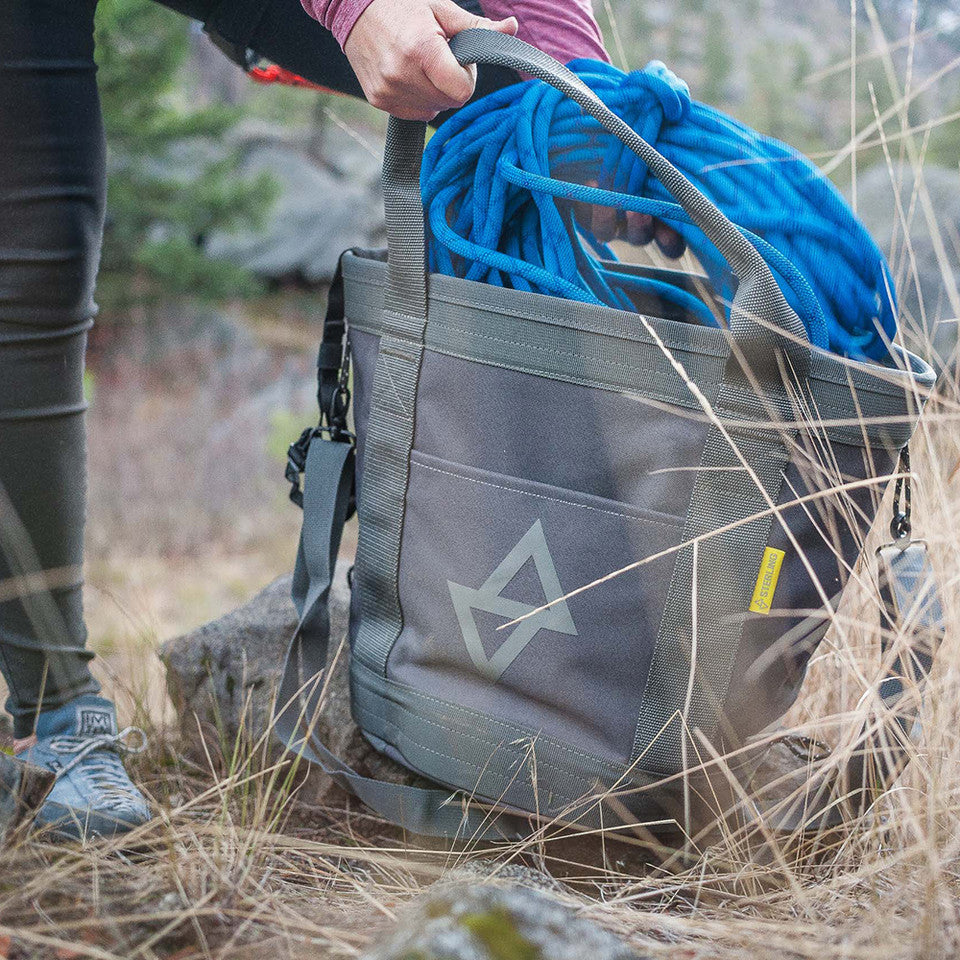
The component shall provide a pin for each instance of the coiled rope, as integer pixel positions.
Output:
(500, 179)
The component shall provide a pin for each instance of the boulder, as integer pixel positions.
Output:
(222, 679)
(317, 216)
(486, 921)
(879, 204)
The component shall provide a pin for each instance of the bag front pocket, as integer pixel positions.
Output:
(483, 555)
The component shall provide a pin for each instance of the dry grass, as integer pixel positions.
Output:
(235, 866)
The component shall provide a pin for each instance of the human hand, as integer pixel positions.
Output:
(634, 227)
(400, 54)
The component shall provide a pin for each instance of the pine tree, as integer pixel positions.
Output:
(171, 180)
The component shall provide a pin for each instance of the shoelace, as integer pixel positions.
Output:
(806, 748)
(499, 180)
(105, 771)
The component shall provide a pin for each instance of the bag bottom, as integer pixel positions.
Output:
(504, 765)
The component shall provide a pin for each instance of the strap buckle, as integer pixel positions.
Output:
(297, 463)
(298, 450)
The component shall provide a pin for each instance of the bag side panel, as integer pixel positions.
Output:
(482, 547)
(826, 536)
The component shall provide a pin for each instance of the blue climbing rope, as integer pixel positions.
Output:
(500, 179)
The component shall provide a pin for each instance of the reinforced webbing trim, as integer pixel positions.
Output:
(496, 761)
(487, 324)
(383, 496)
(393, 400)
(693, 658)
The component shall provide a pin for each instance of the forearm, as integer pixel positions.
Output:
(338, 16)
(566, 29)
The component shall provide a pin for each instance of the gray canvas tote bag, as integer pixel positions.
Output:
(596, 547)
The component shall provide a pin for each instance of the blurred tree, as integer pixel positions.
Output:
(171, 179)
(775, 88)
(717, 58)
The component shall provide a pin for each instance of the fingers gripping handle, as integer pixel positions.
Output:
(760, 317)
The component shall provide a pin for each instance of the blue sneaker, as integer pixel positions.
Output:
(93, 795)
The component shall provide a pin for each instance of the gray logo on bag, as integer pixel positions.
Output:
(532, 546)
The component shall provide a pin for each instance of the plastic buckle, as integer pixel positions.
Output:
(298, 450)
(297, 462)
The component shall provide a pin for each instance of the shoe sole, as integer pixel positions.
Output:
(68, 823)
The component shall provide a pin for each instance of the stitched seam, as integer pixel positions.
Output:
(584, 327)
(499, 309)
(475, 715)
(541, 496)
(646, 392)
(393, 386)
(893, 391)
(526, 345)
(841, 434)
(402, 732)
(887, 388)
(507, 779)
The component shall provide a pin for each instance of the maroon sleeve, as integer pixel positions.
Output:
(338, 16)
(566, 29)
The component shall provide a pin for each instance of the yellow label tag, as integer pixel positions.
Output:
(767, 581)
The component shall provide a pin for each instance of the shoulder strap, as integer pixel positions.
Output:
(326, 457)
(328, 486)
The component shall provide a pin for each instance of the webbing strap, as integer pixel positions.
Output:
(330, 355)
(693, 659)
(390, 425)
(407, 257)
(328, 486)
(386, 475)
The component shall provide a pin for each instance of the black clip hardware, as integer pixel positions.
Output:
(900, 525)
(297, 462)
(297, 455)
(333, 396)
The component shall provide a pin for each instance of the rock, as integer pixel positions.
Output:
(878, 208)
(225, 673)
(496, 922)
(222, 679)
(490, 869)
(317, 216)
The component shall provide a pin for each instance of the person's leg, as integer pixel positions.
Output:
(51, 221)
(51, 216)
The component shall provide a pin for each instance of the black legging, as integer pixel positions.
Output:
(52, 189)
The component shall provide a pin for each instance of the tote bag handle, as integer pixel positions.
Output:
(762, 323)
